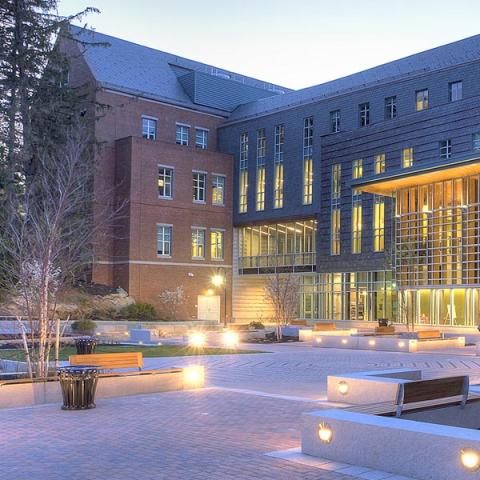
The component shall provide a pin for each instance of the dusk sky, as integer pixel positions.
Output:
(292, 43)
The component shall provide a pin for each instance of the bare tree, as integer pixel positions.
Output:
(282, 291)
(173, 300)
(50, 237)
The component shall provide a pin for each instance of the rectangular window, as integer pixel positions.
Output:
(364, 114)
(446, 149)
(201, 138)
(243, 177)
(308, 161)
(164, 240)
(278, 166)
(335, 121)
(165, 182)
(182, 135)
(216, 244)
(149, 128)
(421, 100)
(390, 107)
(378, 223)
(476, 141)
(261, 154)
(379, 161)
(407, 157)
(218, 190)
(199, 184)
(357, 169)
(335, 209)
(455, 91)
(198, 242)
(335, 232)
(356, 221)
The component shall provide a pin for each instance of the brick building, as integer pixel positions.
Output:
(366, 187)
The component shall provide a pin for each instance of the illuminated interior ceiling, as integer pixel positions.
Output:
(388, 185)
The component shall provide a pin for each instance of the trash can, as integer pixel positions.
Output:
(85, 345)
(78, 386)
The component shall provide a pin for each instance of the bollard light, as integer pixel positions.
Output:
(193, 376)
(470, 459)
(343, 388)
(230, 339)
(197, 340)
(325, 433)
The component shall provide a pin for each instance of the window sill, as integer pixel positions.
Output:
(163, 256)
(198, 258)
(165, 198)
(199, 202)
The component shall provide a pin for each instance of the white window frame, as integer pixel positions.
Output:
(455, 91)
(184, 128)
(364, 114)
(446, 150)
(167, 167)
(147, 134)
(197, 189)
(222, 231)
(203, 145)
(335, 121)
(170, 242)
(476, 141)
(197, 230)
(224, 188)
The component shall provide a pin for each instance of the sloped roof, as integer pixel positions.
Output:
(456, 53)
(136, 69)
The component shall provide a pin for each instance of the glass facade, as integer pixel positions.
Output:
(360, 296)
(288, 246)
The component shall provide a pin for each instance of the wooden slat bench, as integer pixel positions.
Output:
(429, 335)
(109, 361)
(390, 330)
(299, 323)
(421, 394)
(324, 327)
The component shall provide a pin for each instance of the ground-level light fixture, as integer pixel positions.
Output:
(318, 340)
(197, 340)
(401, 344)
(193, 376)
(230, 339)
(371, 343)
(325, 433)
(343, 388)
(344, 341)
(470, 459)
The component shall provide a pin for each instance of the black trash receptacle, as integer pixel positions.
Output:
(78, 387)
(85, 345)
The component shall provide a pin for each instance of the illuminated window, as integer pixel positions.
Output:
(335, 121)
(198, 242)
(201, 138)
(216, 244)
(164, 240)
(407, 157)
(364, 114)
(149, 128)
(379, 161)
(421, 100)
(357, 169)
(390, 108)
(356, 221)
(278, 166)
(199, 184)
(455, 91)
(165, 182)
(378, 223)
(335, 209)
(218, 190)
(308, 161)
(243, 178)
(335, 232)
(261, 154)
(446, 149)
(183, 134)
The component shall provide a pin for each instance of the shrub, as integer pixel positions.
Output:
(257, 325)
(84, 326)
(138, 311)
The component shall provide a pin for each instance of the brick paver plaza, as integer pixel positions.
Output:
(252, 406)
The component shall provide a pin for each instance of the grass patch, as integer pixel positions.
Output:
(148, 351)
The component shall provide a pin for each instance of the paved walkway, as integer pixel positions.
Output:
(217, 433)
